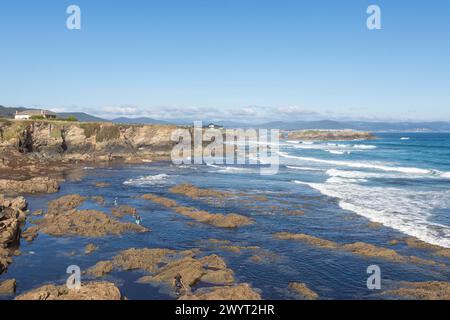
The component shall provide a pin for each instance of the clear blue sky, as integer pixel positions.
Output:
(161, 58)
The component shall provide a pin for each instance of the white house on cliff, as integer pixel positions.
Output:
(27, 114)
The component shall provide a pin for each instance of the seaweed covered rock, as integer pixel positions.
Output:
(230, 220)
(86, 223)
(8, 287)
(432, 290)
(88, 291)
(236, 292)
(303, 291)
(32, 186)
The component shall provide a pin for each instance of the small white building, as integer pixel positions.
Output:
(27, 114)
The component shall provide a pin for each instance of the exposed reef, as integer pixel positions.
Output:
(88, 291)
(231, 220)
(329, 135)
(358, 248)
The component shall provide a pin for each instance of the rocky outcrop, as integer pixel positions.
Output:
(194, 192)
(100, 269)
(98, 199)
(237, 292)
(12, 219)
(88, 291)
(418, 244)
(30, 233)
(85, 223)
(123, 210)
(303, 291)
(31, 186)
(90, 248)
(47, 141)
(433, 290)
(165, 264)
(218, 220)
(358, 248)
(329, 135)
(63, 219)
(8, 287)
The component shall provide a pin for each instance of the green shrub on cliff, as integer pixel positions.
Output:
(90, 129)
(102, 133)
(55, 132)
(107, 133)
(37, 118)
(13, 130)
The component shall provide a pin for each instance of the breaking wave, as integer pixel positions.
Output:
(147, 180)
(404, 210)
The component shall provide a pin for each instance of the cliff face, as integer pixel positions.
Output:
(329, 135)
(22, 141)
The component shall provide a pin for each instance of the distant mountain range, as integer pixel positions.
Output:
(141, 120)
(437, 126)
(353, 125)
(81, 116)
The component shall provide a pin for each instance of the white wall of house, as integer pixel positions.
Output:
(22, 117)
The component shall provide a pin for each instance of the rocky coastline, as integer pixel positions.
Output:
(39, 156)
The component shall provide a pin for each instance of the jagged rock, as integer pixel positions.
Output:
(87, 223)
(11, 220)
(375, 225)
(194, 192)
(368, 250)
(237, 292)
(100, 200)
(8, 287)
(123, 210)
(100, 269)
(303, 291)
(90, 248)
(295, 212)
(32, 186)
(433, 290)
(30, 234)
(88, 291)
(314, 241)
(359, 248)
(65, 203)
(225, 276)
(38, 213)
(144, 259)
(50, 141)
(102, 184)
(189, 268)
(418, 244)
(213, 262)
(218, 220)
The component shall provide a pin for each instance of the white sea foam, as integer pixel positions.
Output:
(445, 175)
(355, 174)
(364, 146)
(148, 180)
(338, 152)
(405, 138)
(405, 210)
(360, 165)
(230, 169)
(369, 175)
(303, 168)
